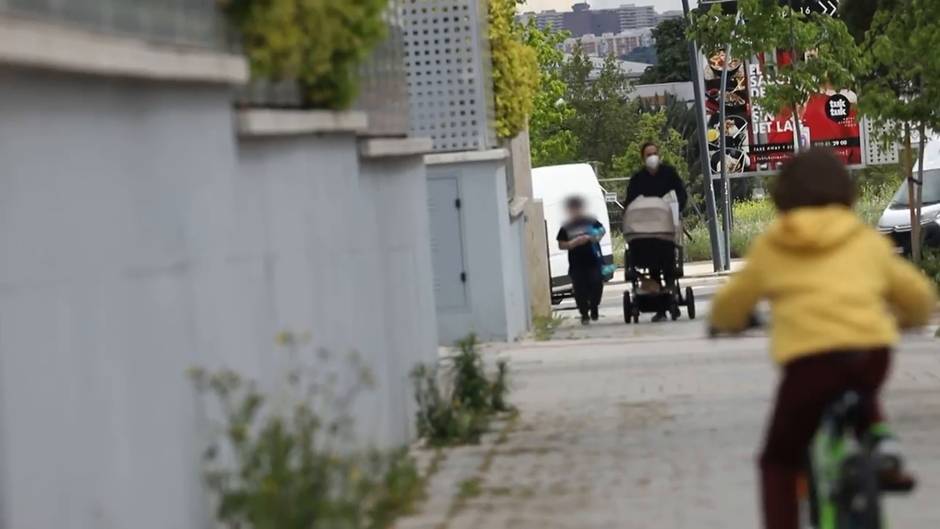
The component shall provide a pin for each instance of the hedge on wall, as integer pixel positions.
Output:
(318, 43)
(515, 69)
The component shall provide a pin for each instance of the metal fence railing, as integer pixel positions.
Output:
(191, 23)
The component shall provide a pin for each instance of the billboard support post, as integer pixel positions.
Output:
(723, 160)
(707, 184)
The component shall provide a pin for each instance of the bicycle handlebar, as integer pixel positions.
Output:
(753, 322)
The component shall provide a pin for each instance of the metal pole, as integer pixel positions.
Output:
(795, 111)
(709, 190)
(723, 143)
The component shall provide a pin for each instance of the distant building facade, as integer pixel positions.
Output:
(582, 20)
(670, 15)
(630, 70)
(662, 94)
(635, 17)
(616, 44)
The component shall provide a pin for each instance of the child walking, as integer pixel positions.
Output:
(580, 236)
(838, 294)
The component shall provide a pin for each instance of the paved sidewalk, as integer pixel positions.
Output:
(652, 430)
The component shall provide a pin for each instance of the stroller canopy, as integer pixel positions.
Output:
(652, 218)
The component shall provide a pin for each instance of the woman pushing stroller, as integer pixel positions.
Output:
(657, 255)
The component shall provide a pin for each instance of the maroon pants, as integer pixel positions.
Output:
(809, 385)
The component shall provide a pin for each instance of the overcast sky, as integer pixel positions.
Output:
(565, 5)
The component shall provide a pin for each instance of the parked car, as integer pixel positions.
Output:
(553, 185)
(896, 219)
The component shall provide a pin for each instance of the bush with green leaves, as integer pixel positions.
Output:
(282, 461)
(551, 141)
(515, 69)
(456, 403)
(931, 264)
(317, 43)
(751, 218)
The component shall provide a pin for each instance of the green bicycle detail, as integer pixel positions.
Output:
(843, 471)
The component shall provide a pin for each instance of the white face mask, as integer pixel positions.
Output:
(652, 162)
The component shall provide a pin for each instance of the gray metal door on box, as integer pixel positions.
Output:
(447, 243)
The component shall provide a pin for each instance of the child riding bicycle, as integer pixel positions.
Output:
(838, 294)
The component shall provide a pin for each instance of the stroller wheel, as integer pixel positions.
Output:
(627, 308)
(690, 302)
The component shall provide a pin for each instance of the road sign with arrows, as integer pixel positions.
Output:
(824, 7)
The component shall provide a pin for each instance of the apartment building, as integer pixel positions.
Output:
(582, 20)
(617, 44)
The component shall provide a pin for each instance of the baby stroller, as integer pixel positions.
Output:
(654, 261)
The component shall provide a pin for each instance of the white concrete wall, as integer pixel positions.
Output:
(401, 260)
(496, 300)
(138, 238)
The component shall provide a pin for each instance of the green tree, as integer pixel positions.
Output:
(904, 96)
(672, 54)
(654, 127)
(515, 69)
(551, 141)
(602, 110)
(644, 54)
(859, 15)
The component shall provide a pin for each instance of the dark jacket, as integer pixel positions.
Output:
(665, 180)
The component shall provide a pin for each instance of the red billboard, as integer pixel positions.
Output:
(760, 141)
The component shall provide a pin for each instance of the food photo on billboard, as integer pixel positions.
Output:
(736, 126)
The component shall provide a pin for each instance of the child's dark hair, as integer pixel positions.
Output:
(813, 178)
(574, 202)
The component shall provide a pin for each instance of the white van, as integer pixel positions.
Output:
(896, 219)
(553, 185)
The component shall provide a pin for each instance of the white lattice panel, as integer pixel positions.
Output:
(875, 152)
(448, 65)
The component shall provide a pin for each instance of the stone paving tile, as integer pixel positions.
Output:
(656, 431)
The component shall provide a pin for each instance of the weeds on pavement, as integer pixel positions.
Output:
(930, 262)
(544, 327)
(283, 461)
(456, 403)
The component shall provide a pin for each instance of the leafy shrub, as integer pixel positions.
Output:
(456, 404)
(697, 244)
(515, 69)
(544, 326)
(931, 264)
(277, 463)
(441, 419)
(751, 218)
(873, 199)
(653, 127)
(500, 388)
(318, 43)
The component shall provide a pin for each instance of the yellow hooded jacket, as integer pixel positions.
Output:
(832, 282)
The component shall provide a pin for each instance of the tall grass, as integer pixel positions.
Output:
(931, 264)
(873, 199)
(751, 218)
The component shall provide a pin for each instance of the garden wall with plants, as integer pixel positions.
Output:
(160, 238)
